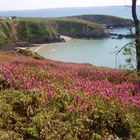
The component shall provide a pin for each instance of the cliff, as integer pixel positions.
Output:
(21, 31)
(39, 30)
(18, 31)
(7, 33)
(79, 28)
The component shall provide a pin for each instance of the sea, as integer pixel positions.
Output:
(122, 11)
(99, 52)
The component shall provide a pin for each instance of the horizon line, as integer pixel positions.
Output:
(65, 8)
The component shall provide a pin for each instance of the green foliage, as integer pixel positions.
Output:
(16, 108)
(131, 58)
(127, 51)
(25, 116)
(10, 135)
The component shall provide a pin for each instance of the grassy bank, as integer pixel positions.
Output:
(45, 100)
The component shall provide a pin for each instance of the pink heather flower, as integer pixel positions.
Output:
(77, 98)
(6, 74)
(51, 94)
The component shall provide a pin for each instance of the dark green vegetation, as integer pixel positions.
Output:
(40, 30)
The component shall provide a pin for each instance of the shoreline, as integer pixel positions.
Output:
(37, 47)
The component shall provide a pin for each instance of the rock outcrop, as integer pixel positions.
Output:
(78, 28)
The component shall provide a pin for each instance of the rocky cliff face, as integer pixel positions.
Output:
(81, 29)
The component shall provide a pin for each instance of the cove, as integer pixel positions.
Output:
(98, 52)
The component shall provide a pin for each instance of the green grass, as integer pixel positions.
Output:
(65, 19)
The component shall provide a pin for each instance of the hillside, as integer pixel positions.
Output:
(109, 21)
(22, 31)
(45, 100)
(39, 30)
(17, 31)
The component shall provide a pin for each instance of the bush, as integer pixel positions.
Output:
(24, 116)
(47, 100)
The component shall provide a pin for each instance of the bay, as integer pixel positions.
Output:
(99, 52)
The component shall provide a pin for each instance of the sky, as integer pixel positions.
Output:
(41, 4)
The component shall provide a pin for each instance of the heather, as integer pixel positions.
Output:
(45, 100)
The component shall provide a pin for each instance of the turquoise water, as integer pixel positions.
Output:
(99, 52)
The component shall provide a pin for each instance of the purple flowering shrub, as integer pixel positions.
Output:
(43, 99)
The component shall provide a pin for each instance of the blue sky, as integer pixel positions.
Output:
(39, 4)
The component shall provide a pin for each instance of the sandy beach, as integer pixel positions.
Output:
(37, 47)
(66, 38)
